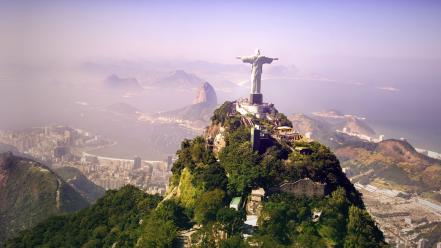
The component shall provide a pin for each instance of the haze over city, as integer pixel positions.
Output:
(383, 50)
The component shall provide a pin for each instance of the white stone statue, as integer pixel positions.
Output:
(257, 62)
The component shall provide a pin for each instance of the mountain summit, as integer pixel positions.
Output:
(30, 193)
(198, 113)
(248, 181)
(115, 82)
(179, 79)
(206, 95)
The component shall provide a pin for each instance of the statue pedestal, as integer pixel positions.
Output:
(256, 98)
(245, 107)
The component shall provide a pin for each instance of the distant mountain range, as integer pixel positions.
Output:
(30, 193)
(394, 164)
(87, 189)
(198, 112)
(393, 161)
(323, 125)
(115, 82)
(178, 79)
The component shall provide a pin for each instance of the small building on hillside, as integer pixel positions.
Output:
(254, 202)
(260, 138)
(287, 134)
(303, 150)
(236, 203)
(304, 187)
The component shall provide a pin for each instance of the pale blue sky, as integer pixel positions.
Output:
(384, 56)
(219, 30)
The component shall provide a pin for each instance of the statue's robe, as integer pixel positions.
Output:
(256, 70)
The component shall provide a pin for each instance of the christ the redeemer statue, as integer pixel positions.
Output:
(257, 62)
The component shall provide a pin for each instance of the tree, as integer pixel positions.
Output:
(361, 230)
(113, 219)
(233, 242)
(333, 219)
(158, 233)
(221, 114)
(207, 206)
(274, 221)
(231, 220)
(241, 163)
(308, 236)
(272, 167)
(211, 177)
(171, 210)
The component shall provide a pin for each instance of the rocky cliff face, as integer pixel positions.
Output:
(305, 124)
(354, 125)
(206, 95)
(200, 112)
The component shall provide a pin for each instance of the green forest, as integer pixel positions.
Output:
(201, 188)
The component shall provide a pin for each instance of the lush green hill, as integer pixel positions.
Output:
(204, 182)
(90, 191)
(202, 186)
(114, 219)
(30, 193)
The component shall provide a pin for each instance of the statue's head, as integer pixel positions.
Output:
(257, 51)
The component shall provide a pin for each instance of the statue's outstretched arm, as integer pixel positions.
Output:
(267, 60)
(246, 59)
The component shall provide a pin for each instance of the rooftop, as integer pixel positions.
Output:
(259, 191)
(235, 200)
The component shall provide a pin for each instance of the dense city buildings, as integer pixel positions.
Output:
(404, 219)
(59, 146)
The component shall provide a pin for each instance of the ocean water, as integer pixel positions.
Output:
(412, 111)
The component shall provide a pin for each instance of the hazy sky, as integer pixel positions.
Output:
(383, 58)
(219, 30)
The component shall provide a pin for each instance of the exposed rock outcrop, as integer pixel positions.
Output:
(206, 95)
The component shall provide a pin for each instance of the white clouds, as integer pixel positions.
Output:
(388, 88)
(356, 83)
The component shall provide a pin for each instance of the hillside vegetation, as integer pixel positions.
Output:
(395, 161)
(113, 219)
(201, 188)
(392, 161)
(89, 190)
(31, 193)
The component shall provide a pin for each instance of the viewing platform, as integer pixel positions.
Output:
(245, 107)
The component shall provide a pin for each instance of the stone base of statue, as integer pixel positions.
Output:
(256, 98)
(244, 107)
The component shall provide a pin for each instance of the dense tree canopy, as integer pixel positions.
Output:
(113, 220)
(201, 187)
